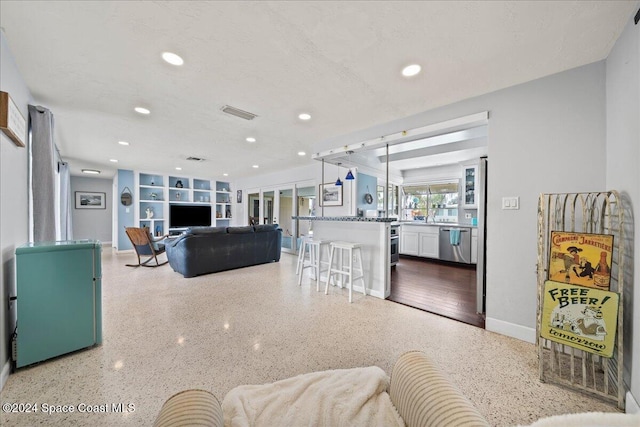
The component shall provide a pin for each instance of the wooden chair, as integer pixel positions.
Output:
(145, 245)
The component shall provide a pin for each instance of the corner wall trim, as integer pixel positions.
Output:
(4, 375)
(511, 330)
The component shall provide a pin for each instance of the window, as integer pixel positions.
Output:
(393, 199)
(436, 202)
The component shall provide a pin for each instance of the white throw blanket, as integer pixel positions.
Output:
(343, 397)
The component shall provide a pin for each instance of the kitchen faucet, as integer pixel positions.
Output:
(433, 217)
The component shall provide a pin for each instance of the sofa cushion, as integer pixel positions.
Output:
(424, 395)
(589, 419)
(190, 407)
(261, 228)
(207, 230)
(240, 230)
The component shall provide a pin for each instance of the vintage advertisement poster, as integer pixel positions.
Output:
(581, 259)
(584, 318)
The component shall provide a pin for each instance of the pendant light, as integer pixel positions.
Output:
(338, 182)
(349, 176)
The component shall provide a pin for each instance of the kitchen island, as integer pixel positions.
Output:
(374, 236)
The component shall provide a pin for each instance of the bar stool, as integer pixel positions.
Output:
(314, 248)
(351, 250)
(301, 253)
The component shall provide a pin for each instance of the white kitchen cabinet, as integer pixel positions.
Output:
(419, 240)
(474, 246)
(429, 242)
(470, 187)
(409, 243)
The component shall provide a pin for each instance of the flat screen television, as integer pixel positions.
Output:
(181, 216)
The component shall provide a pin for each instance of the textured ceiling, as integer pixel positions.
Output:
(92, 62)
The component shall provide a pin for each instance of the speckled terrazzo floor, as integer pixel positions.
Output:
(163, 333)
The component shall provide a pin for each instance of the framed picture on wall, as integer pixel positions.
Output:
(330, 195)
(90, 200)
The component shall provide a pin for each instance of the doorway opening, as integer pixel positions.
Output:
(253, 201)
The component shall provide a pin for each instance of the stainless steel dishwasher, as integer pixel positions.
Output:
(456, 253)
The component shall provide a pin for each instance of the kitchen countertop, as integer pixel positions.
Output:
(345, 218)
(437, 224)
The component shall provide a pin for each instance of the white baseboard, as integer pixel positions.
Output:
(631, 405)
(371, 292)
(4, 374)
(511, 330)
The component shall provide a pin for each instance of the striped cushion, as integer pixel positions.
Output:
(190, 408)
(424, 396)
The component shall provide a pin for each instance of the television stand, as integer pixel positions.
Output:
(176, 231)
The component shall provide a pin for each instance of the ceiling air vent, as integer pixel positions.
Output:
(238, 112)
(195, 159)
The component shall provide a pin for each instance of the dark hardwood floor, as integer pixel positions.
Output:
(438, 287)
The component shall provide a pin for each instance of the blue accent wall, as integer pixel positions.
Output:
(125, 219)
(365, 180)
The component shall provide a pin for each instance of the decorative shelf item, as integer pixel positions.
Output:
(12, 122)
(592, 219)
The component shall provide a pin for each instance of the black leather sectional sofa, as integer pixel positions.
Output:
(203, 250)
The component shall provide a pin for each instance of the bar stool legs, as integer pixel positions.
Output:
(351, 250)
(314, 248)
(301, 254)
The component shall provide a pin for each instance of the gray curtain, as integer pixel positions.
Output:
(43, 172)
(65, 201)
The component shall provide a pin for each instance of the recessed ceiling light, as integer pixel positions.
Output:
(256, 166)
(178, 168)
(113, 160)
(411, 70)
(172, 58)
(301, 153)
(304, 116)
(251, 139)
(91, 171)
(142, 110)
(123, 143)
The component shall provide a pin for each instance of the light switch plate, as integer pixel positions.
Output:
(511, 202)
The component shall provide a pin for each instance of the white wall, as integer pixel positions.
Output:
(14, 204)
(95, 224)
(623, 174)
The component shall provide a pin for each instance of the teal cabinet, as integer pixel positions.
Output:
(59, 299)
